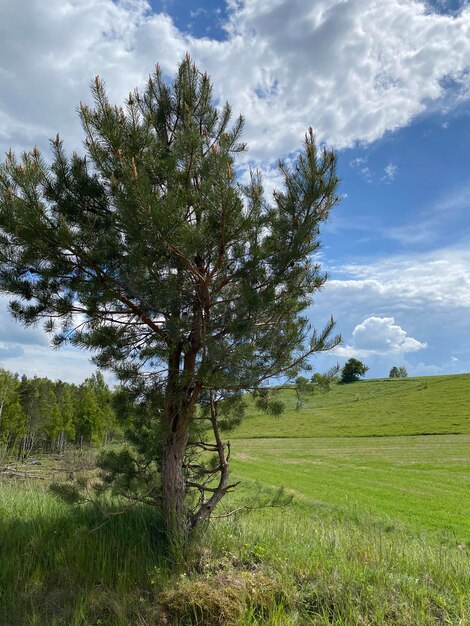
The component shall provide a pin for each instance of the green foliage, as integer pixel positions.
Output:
(126, 473)
(267, 401)
(398, 372)
(353, 370)
(319, 383)
(232, 411)
(322, 382)
(67, 492)
(301, 383)
(150, 253)
(40, 413)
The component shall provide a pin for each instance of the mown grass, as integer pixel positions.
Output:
(382, 407)
(423, 482)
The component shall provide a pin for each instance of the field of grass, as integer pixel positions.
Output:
(422, 482)
(307, 564)
(383, 407)
(378, 533)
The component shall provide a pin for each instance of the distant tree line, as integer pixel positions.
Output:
(38, 413)
(353, 370)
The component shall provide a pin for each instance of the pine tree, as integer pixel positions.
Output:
(190, 286)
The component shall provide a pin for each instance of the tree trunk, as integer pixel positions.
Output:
(173, 482)
(179, 407)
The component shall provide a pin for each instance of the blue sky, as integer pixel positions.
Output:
(385, 83)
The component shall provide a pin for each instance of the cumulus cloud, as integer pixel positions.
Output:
(379, 336)
(428, 295)
(51, 50)
(352, 70)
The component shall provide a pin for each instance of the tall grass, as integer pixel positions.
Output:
(71, 565)
(378, 534)
(306, 564)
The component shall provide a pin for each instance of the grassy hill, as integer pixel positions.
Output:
(363, 446)
(380, 407)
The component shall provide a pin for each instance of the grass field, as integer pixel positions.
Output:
(384, 407)
(423, 482)
(367, 445)
(378, 533)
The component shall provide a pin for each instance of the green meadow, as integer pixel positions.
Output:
(378, 532)
(398, 448)
(423, 482)
(383, 407)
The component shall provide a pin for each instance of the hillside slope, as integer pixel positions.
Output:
(379, 407)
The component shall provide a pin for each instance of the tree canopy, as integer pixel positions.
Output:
(38, 413)
(190, 285)
(398, 372)
(352, 370)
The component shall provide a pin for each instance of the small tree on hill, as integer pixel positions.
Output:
(398, 372)
(322, 382)
(186, 283)
(352, 371)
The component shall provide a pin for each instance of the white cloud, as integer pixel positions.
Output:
(358, 162)
(440, 279)
(66, 364)
(379, 336)
(50, 51)
(353, 70)
(366, 173)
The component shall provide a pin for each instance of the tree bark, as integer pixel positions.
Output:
(173, 484)
(176, 420)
